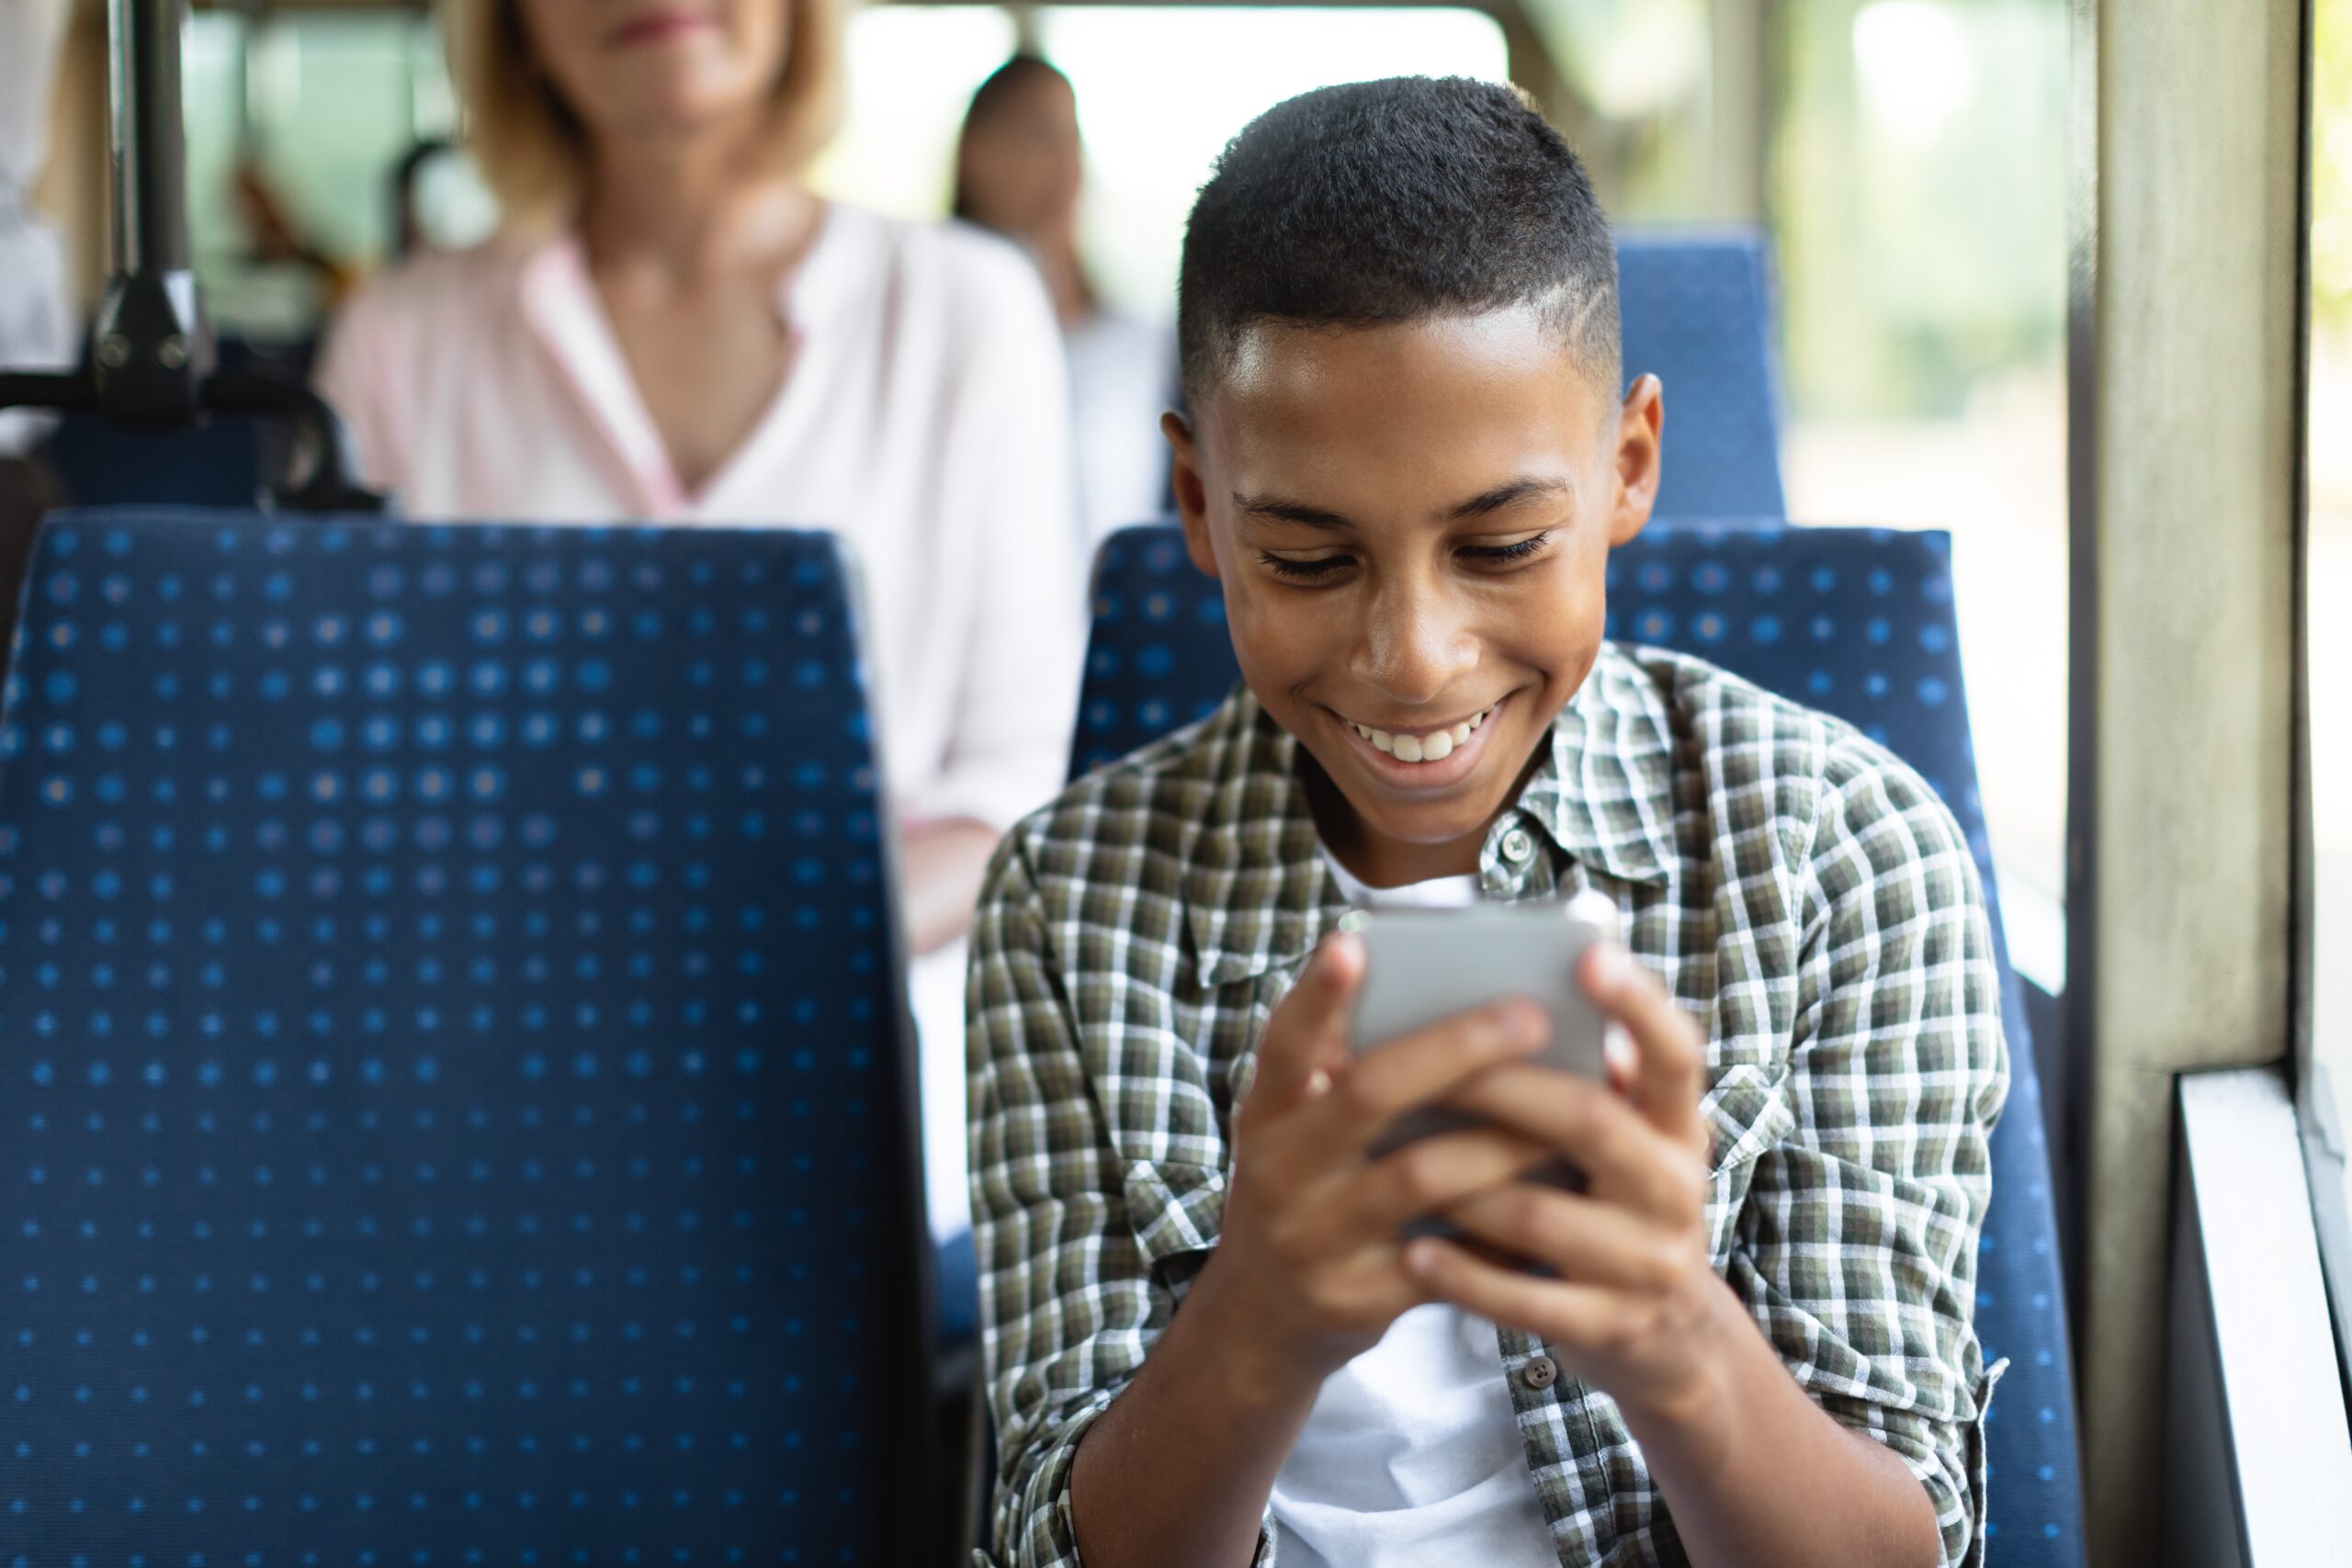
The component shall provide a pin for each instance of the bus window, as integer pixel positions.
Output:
(295, 124)
(1159, 89)
(1919, 204)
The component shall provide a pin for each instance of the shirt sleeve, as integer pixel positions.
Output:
(1857, 1245)
(1016, 489)
(1070, 1305)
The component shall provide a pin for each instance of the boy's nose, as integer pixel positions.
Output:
(1416, 650)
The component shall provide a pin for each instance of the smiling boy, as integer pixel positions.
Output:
(1748, 1340)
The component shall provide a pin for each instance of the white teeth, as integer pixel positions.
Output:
(1434, 747)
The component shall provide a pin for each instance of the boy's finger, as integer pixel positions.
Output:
(1436, 1172)
(1380, 1085)
(1669, 1070)
(1586, 1240)
(1308, 1031)
(1623, 1155)
(1556, 1311)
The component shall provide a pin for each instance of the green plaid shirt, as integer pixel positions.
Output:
(1795, 887)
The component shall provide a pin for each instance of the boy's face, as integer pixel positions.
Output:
(1412, 524)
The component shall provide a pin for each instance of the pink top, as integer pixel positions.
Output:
(924, 418)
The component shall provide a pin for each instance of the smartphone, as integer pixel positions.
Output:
(1421, 965)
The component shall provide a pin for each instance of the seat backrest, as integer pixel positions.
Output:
(1857, 622)
(457, 1100)
(1697, 311)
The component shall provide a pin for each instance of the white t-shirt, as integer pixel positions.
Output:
(925, 417)
(1411, 1457)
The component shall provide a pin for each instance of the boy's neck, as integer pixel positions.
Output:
(1375, 859)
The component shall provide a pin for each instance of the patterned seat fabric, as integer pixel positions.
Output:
(1856, 622)
(1697, 312)
(451, 1060)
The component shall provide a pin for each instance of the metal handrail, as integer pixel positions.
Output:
(152, 360)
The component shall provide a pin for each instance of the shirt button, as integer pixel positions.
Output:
(1538, 1373)
(1517, 846)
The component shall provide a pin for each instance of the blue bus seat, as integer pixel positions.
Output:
(457, 1094)
(1857, 622)
(1698, 312)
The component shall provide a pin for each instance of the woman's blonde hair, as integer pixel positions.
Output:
(531, 149)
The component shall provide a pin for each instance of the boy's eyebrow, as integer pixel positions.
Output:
(1493, 501)
(1274, 506)
(1509, 494)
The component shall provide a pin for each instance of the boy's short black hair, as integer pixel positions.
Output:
(1385, 201)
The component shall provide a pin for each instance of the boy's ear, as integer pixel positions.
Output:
(1191, 491)
(1641, 420)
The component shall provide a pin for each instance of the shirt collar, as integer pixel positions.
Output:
(558, 299)
(557, 296)
(1606, 793)
(1257, 895)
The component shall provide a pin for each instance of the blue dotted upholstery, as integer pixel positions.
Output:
(1853, 621)
(1697, 314)
(454, 1103)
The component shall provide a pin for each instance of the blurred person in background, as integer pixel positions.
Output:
(1018, 171)
(276, 235)
(36, 318)
(671, 328)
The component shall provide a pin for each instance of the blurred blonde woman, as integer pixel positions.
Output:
(671, 327)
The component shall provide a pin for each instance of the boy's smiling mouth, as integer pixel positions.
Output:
(1420, 746)
(1435, 757)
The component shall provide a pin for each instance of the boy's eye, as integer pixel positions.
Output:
(1314, 567)
(1302, 571)
(1503, 555)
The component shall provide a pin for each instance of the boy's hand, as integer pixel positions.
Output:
(1308, 1270)
(1636, 1300)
